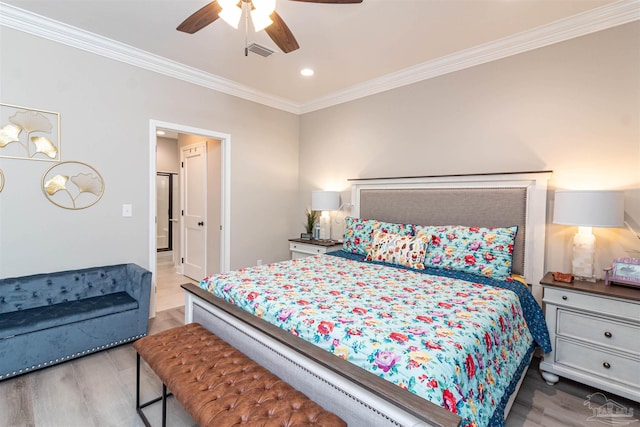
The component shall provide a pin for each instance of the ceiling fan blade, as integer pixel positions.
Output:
(330, 1)
(201, 18)
(281, 34)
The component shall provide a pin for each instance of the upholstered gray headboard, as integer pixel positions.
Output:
(490, 200)
(481, 207)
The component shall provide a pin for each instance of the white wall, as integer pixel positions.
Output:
(572, 108)
(105, 108)
(167, 155)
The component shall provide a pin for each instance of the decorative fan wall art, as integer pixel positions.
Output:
(26, 133)
(72, 185)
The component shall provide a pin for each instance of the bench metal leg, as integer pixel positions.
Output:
(137, 380)
(152, 401)
(164, 405)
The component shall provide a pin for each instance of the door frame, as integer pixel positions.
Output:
(225, 205)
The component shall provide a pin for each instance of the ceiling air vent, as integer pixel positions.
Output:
(260, 50)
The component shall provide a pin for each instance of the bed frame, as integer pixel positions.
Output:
(360, 397)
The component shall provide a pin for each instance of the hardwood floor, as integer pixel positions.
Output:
(95, 390)
(99, 390)
(564, 404)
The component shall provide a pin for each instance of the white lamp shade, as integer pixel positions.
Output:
(325, 200)
(589, 208)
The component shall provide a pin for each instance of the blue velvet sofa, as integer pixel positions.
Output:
(50, 318)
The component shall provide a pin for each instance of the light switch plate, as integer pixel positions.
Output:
(127, 210)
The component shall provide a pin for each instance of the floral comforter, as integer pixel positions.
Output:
(454, 342)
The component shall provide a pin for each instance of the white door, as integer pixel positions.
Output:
(194, 210)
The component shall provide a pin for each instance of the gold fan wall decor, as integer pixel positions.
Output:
(72, 185)
(28, 133)
(263, 16)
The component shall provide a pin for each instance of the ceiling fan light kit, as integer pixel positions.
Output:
(263, 16)
(231, 15)
(263, 7)
(260, 21)
(258, 9)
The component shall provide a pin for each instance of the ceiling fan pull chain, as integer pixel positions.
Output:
(246, 28)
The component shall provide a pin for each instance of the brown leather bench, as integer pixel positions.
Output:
(219, 386)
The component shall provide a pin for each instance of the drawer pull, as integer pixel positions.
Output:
(606, 365)
(608, 334)
(564, 297)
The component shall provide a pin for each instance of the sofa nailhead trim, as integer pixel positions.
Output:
(72, 356)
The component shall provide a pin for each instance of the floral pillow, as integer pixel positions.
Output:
(476, 250)
(393, 248)
(358, 233)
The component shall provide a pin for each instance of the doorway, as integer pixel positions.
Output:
(222, 212)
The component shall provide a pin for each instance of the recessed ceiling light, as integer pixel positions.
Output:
(159, 132)
(307, 72)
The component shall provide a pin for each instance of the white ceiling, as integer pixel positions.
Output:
(348, 46)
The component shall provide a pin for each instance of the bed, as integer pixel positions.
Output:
(403, 355)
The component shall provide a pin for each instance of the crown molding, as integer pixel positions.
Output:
(602, 18)
(37, 25)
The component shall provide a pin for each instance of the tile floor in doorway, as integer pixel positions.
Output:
(169, 293)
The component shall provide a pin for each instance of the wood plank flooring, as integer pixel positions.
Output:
(95, 390)
(99, 390)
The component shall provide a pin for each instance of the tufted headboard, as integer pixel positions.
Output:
(489, 200)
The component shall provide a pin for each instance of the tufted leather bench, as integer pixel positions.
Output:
(219, 386)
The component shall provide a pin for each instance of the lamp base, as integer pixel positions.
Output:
(584, 247)
(325, 226)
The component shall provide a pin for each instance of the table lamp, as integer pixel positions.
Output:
(587, 209)
(325, 201)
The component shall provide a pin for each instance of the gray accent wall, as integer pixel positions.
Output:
(572, 107)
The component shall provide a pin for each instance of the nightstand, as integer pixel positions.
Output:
(302, 248)
(595, 335)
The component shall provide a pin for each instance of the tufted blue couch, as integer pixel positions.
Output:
(49, 318)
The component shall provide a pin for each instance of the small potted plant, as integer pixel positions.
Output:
(312, 218)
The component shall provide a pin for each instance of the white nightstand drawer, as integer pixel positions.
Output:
(595, 335)
(593, 303)
(307, 249)
(598, 330)
(302, 249)
(597, 362)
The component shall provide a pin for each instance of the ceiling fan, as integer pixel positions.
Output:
(262, 13)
